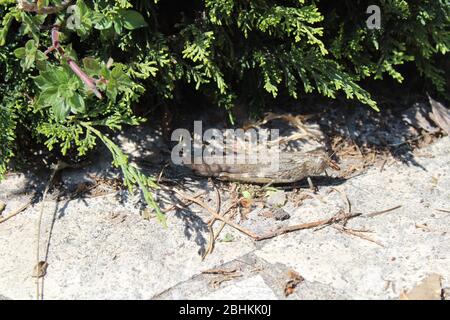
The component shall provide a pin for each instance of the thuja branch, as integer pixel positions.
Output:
(131, 175)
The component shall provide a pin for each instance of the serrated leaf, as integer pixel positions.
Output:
(61, 110)
(77, 105)
(65, 91)
(45, 80)
(48, 97)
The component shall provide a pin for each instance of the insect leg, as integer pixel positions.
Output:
(311, 185)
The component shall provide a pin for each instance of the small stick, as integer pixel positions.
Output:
(219, 271)
(374, 214)
(356, 234)
(212, 238)
(217, 216)
(308, 225)
(383, 164)
(60, 165)
(17, 211)
(223, 223)
(234, 203)
(343, 217)
(345, 198)
(183, 204)
(443, 210)
(215, 283)
(161, 174)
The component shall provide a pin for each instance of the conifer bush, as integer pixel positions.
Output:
(115, 54)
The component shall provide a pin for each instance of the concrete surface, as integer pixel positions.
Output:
(101, 248)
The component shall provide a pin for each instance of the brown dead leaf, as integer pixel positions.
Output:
(246, 203)
(429, 289)
(40, 269)
(441, 115)
(292, 283)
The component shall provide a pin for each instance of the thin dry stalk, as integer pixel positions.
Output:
(17, 211)
(309, 225)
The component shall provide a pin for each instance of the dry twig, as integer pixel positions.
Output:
(220, 271)
(309, 225)
(39, 292)
(215, 214)
(357, 233)
(374, 214)
(443, 210)
(212, 238)
(17, 211)
(341, 217)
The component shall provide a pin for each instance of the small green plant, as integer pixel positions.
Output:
(68, 100)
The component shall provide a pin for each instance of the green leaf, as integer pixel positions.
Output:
(132, 19)
(40, 56)
(28, 62)
(117, 72)
(65, 91)
(48, 97)
(41, 65)
(30, 45)
(104, 23)
(52, 77)
(61, 75)
(61, 110)
(112, 90)
(77, 105)
(91, 66)
(20, 52)
(247, 195)
(45, 80)
(228, 237)
(118, 25)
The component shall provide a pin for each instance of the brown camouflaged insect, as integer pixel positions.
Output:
(293, 166)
